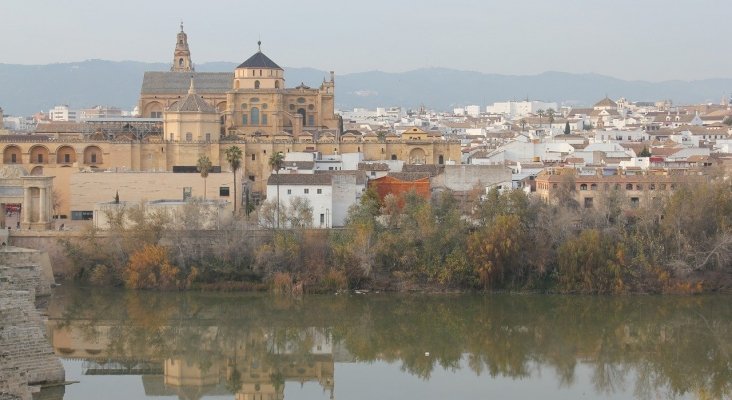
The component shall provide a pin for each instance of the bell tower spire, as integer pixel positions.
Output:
(182, 55)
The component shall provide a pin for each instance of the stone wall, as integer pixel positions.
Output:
(27, 269)
(463, 178)
(26, 356)
(46, 242)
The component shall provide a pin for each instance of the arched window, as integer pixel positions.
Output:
(583, 186)
(244, 119)
(441, 159)
(180, 62)
(301, 111)
(256, 84)
(277, 84)
(255, 116)
(189, 137)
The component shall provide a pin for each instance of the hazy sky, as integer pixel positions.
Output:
(630, 39)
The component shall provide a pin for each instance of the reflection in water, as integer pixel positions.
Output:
(251, 346)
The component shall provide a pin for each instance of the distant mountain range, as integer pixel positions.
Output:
(26, 89)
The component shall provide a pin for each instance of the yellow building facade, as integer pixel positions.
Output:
(205, 113)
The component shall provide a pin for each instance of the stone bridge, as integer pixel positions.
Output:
(27, 360)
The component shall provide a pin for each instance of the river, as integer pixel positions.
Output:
(134, 345)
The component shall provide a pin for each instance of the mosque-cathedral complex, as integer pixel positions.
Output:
(185, 114)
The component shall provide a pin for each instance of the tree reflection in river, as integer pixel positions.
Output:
(255, 343)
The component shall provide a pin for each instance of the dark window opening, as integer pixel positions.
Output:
(224, 191)
(82, 215)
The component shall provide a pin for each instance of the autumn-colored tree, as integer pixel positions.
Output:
(494, 251)
(150, 268)
(591, 263)
(697, 226)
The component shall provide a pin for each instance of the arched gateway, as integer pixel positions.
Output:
(30, 195)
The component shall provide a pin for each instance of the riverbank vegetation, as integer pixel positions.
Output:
(681, 243)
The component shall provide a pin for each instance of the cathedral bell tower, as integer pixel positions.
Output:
(182, 56)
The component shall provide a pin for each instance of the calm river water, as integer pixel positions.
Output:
(135, 345)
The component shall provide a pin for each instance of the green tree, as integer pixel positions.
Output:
(204, 167)
(567, 131)
(495, 251)
(550, 114)
(541, 114)
(234, 157)
(275, 161)
(591, 263)
(645, 152)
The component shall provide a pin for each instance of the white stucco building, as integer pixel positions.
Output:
(330, 194)
(62, 113)
(520, 108)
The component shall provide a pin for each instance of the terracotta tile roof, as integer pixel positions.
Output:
(606, 102)
(299, 179)
(664, 151)
(431, 169)
(299, 164)
(409, 176)
(154, 82)
(373, 166)
(192, 103)
(59, 127)
(582, 111)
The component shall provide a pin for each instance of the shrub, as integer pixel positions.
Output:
(282, 283)
(334, 281)
(150, 268)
